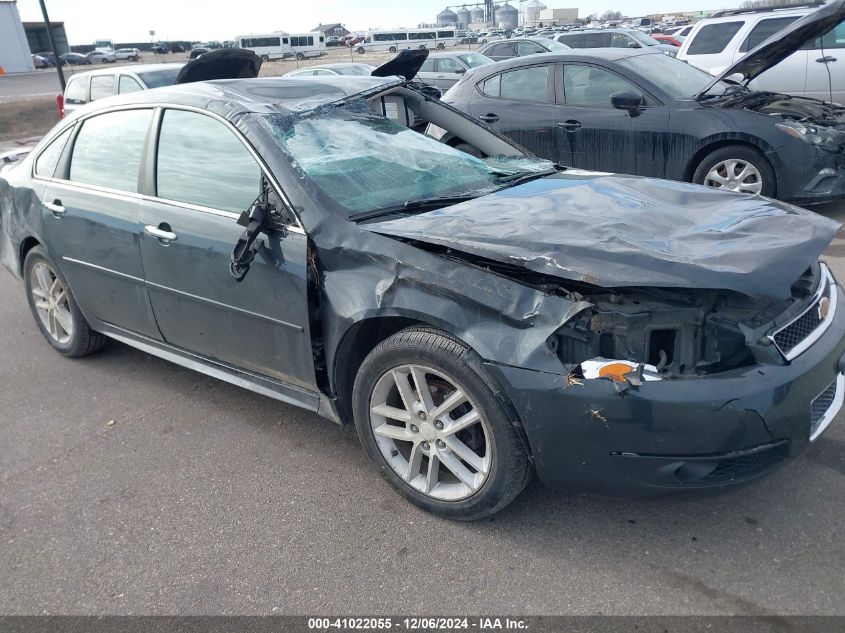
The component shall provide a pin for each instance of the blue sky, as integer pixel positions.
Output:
(86, 20)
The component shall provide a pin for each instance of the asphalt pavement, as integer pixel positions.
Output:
(129, 485)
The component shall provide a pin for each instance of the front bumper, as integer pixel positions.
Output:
(815, 177)
(686, 433)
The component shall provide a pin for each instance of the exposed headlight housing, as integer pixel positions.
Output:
(826, 137)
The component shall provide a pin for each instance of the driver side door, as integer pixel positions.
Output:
(204, 176)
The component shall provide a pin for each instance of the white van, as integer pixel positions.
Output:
(306, 45)
(401, 39)
(717, 43)
(267, 45)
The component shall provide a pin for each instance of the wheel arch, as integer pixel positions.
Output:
(27, 244)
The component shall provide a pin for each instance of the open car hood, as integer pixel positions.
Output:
(406, 64)
(623, 231)
(782, 44)
(224, 63)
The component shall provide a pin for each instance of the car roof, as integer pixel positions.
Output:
(134, 69)
(578, 55)
(754, 16)
(271, 95)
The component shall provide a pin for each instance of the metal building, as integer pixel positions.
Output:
(15, 56)
(36, 35)
(507, 17)
(447, 17)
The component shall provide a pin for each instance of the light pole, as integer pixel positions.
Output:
(53, 45)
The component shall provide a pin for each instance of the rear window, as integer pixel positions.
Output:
(77, 90)
(159, 78)
(763, 30)
(713, 38)
(45, 164)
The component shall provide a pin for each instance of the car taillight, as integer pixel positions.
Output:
(60, 106)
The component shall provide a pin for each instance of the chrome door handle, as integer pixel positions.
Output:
(55, 207)
(489, 118)
(826, 59)
(571, 125)
(160, 234)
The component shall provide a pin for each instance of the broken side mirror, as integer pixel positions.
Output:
(255, 220)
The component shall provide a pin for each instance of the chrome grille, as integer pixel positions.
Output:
(796, 336)
(825, 406)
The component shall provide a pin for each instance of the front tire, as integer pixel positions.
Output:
(449, 446)
(392, 49)
(738, 168)
(361, 50)
(54, 308)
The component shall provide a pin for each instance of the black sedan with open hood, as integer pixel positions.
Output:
(477, 315)
(643, 113)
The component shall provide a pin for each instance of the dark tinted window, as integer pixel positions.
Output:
(713, 38)
(596, 40)
(763, 30)
(202, 162)
(77, 90)
(102, 86)
(46, 163)
(503, 50)
(575, 41)
(834, 38)
(107, 150)
(526, 84)
(590, 86)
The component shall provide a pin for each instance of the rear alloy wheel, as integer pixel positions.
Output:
(736, 168)
(392, 49)
(265, 58)
(361, 50)
(55, 310)
(427, 416)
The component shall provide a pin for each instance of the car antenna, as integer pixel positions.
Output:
(256, 221)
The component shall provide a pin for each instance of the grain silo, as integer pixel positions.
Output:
(531, 12)
(447, 17)
(507, 17)
(464, 17)
(477, 15)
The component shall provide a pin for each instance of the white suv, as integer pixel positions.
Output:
(716, 43)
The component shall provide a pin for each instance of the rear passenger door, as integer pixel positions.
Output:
(204, 177)
(520, 104)
(788, 76)
(91, 219)
(823, 55)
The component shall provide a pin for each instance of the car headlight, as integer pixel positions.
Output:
(823, 136)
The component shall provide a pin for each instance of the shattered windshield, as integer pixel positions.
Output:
(366, 162)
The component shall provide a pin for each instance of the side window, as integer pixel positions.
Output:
(712, 38)
(763, 30)
(45, 164)
(503, 50)
(621, 40)
(528, 48)
(102, 86)
(492, 86)
(77, 90)
(128, 84)
(527, 84)
(596, 40)
(591, 87)
(448, 65)
(428, 66)
(107, 151)
(190, 168)
(573, 41)
(834, 38)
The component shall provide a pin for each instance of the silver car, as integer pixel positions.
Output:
(444, 70)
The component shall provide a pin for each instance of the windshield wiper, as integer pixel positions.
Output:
(424, 204)
(521, 178)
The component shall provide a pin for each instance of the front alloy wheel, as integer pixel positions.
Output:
(430, 432)
(429, 416)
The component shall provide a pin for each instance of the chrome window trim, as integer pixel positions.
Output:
(826, 281)
(828, 416)
(298, 228)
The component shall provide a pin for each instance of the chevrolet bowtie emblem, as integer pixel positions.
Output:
(824, 307)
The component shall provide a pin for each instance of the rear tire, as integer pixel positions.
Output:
(54, 308)
(392, 49)
(737, 168)
(300, 56)
(265, 58)
(361, 50)
(440, 46)
(437, 453)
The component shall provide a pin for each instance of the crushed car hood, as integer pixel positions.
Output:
(621, 231)
(785, 42)
(407, 64)
(224, 63)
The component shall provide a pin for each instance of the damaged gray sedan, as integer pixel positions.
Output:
(476, 318)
